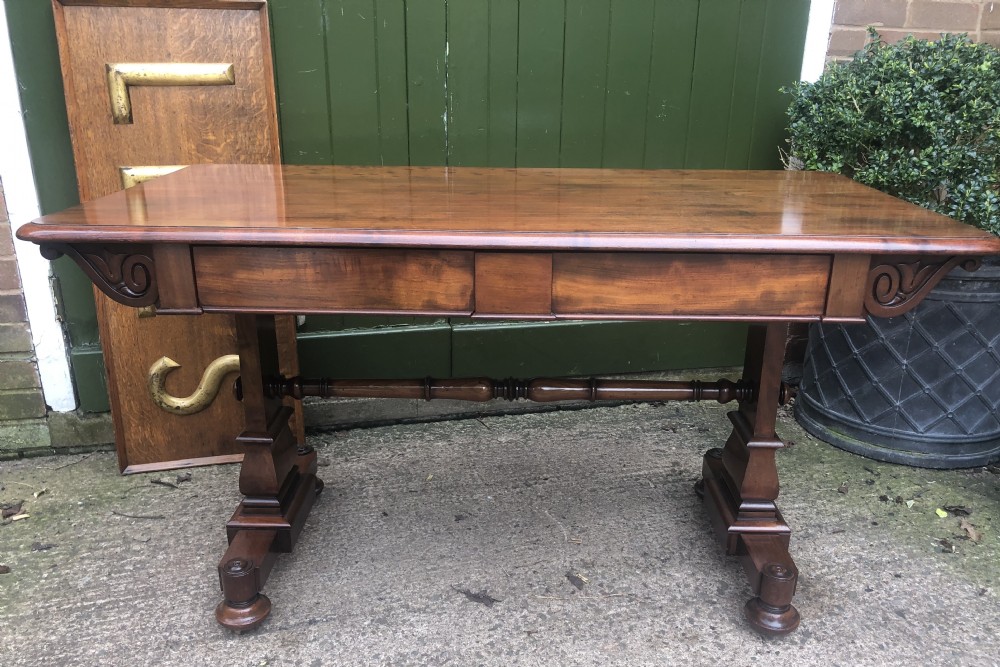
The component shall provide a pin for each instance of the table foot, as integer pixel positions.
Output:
(771, 612)
(754, 531)
(771, 621)
(242, 618)
(242, 572)
(260, 530)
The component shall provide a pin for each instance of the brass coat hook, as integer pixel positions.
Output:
(202, 397)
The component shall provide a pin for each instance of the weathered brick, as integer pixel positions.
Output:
(6, 240)
(991, 16)
(23, 436)
(80, 429)
(991, 37)
(21, 404)
(870, 12)
(893, 36)
(943, 16)
(846, 41)
(18, 374)
(12, 309)
(9, 279)
(15, 338)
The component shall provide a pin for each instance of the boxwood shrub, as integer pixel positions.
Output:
(917, 119)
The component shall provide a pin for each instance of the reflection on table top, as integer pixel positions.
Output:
(552, 209)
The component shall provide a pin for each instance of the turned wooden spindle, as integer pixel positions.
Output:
(540, 389)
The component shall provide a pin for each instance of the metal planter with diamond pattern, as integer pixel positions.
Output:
(921, 389)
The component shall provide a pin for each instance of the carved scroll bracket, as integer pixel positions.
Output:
(895, 288)
(125, 273)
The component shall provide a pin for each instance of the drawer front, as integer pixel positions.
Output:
(655, 284)
(324, 280)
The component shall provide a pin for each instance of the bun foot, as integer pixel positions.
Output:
(771, 621)
(245, 616)
(771, 612)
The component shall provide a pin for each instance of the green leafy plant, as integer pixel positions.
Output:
(919, 120)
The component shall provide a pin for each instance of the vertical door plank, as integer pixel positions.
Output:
(425, 64)
(539, 82)
(468, 70)
(671, 75)
(744, 103)
(629, 52)
(781, 62)
(300, 69)
(502, 141)
(585, 82)
(351, 61)
(390, 46)
(711, 91)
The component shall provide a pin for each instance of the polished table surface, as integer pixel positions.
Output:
(767, 248)
(550, 209)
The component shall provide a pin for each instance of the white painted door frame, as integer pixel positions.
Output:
(22, 206)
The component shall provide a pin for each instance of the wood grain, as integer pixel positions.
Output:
(522, 209)
(353, 280)
(848, 278)
(509, 283)
(173, 125)
(695, 284)
(175, 273)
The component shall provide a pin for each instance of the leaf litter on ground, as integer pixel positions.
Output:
(482, 597)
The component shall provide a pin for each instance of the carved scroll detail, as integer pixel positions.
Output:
(125, 273)
(893, 289)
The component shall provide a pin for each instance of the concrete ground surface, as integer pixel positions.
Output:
(420, 523)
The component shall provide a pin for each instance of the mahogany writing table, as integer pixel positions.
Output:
(767, 248)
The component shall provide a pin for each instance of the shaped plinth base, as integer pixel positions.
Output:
(756, 533)
(261, 529)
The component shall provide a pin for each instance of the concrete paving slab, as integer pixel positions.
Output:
(111, 570)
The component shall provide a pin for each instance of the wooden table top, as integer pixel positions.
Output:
(545, 209)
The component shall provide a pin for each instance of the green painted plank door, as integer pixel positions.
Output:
(573, 83)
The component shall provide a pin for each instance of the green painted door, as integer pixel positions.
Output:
(572, 83)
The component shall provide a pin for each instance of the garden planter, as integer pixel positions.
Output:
(921, 389)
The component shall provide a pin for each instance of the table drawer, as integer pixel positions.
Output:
(325, 280)
(656, 284)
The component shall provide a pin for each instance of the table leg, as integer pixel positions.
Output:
(277, 479)
(740, 485)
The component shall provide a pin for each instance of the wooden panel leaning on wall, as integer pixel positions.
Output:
(151, 84)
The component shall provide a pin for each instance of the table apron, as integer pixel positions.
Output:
(526, 285)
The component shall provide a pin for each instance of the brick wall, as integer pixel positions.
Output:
(22, 406)
(894, 19)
